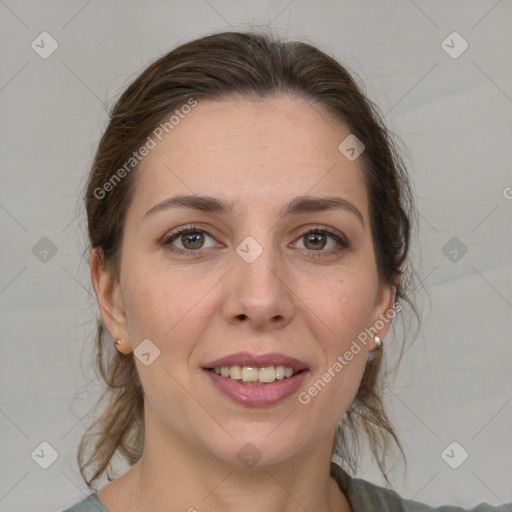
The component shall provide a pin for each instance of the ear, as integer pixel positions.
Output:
(110, 299)
(384, 311)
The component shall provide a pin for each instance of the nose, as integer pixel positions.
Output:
(258, 292)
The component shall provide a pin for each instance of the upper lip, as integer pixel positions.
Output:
(260, 361)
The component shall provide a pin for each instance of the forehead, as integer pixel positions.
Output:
(252, 151)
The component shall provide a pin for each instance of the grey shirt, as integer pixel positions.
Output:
(363, 496)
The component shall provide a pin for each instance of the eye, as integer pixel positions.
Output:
(317, 242)
(191, 238)
(323, 240)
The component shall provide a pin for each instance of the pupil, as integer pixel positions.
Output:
(316, 237)
(196, 240)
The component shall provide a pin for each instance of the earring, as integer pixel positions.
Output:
(117, 342)
(378, 342)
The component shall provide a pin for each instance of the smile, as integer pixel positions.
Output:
(251, 375)
(255, 393)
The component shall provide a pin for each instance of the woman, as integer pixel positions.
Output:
(249, 222)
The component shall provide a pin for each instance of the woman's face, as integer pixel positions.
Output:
(262, 277)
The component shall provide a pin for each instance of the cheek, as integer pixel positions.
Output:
(330, 391)
(345, 306)
(168, 306)
(155, 311)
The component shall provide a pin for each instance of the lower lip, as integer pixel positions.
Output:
(257, 395)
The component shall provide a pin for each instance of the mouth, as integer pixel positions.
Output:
(256, 369)
(257, 381)
(254, 376)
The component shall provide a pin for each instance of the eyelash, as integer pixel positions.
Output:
(339, 239)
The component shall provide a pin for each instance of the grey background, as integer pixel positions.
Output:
(453, 115)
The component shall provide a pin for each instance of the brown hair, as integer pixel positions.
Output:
(254, 65)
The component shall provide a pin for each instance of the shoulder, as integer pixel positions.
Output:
(367, 496)
(89, 504)
(364, 495)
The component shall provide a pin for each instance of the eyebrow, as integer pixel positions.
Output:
(298, 205)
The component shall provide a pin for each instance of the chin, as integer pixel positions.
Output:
(254, 447)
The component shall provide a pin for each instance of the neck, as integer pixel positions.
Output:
(173, 472)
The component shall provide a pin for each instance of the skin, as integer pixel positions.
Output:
(258, 155)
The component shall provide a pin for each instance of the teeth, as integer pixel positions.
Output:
(267, 374)
(252, 374)
(235, 372)
(280, 371)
